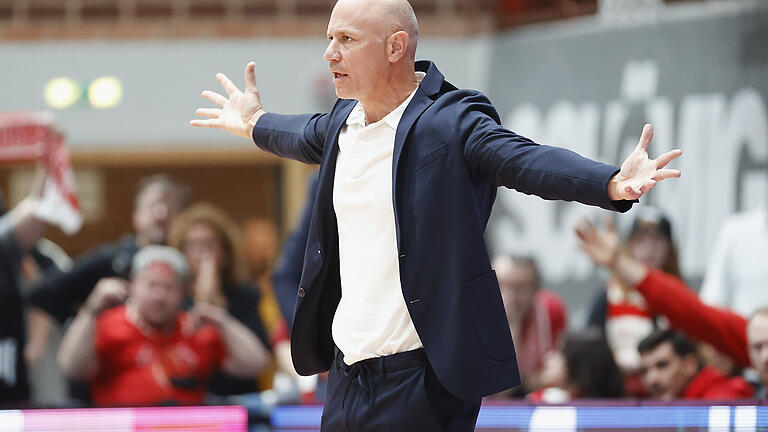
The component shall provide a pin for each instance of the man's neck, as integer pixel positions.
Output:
(145, 326)
(397, 92)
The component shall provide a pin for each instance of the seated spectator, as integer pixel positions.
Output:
(728, 332)
(536, 316)
(619, 309)
(157, 201)
(584, 369)
(671, 370)
(757, 337)
(736, 275)
(210, 240)
(148, 351)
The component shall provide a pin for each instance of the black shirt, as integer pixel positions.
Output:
(60, 293)
(14, 388)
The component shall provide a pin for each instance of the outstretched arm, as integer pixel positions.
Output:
(504, 158)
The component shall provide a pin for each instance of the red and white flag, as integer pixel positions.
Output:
(32, 136)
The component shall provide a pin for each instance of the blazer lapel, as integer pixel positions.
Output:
(422, 99)
(328, 166)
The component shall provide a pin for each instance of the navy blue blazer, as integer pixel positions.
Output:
(450, 155)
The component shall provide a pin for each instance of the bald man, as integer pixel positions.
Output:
(397, 296)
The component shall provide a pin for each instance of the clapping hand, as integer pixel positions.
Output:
(236, 114)
(639, 173)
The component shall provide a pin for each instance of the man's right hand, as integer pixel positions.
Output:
(237, 114)
(108, 292)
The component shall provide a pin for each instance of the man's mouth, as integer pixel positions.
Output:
(339, 75)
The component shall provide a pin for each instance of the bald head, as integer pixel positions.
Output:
(391, 16)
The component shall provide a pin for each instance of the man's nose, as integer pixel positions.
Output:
(160, 211)
(331, 53)
(650, 378)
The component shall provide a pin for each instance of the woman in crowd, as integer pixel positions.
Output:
(210, 240)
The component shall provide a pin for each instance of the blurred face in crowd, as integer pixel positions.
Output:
(518, 287)
(261, 245)
(155, 208)
(203, 241)
(649, 246)
(666, 374)
(757, 338)
(157, 291)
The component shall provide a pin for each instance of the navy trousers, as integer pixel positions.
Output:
(399, 392)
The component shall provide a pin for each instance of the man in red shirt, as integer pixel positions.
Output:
(537, 316)
(671, 370)
(731, 334)
(149, 351)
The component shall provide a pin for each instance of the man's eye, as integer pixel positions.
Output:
(347, 38)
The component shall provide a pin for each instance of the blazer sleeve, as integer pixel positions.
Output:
(505, 158)
(298, 137)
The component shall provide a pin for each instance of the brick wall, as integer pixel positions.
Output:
(140, 19)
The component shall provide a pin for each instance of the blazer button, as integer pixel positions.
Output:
(320, 254)
(302, 293)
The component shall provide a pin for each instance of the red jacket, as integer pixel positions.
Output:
(712, 384)
(723, 329)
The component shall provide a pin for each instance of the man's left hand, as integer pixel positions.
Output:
(639, 173)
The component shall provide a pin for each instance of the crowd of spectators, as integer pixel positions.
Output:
(186, 311)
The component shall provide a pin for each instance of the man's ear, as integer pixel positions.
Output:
(397, 45)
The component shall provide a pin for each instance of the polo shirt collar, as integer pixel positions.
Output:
(357, 116)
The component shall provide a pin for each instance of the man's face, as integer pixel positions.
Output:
(158, 292)
(518, 289)
(757, 339)
(356, 51)
(666, 374)
(156, 207)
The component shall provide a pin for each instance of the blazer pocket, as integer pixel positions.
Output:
(490, 317)
(431, 156)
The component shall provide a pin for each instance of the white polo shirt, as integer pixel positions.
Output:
(372, 319)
